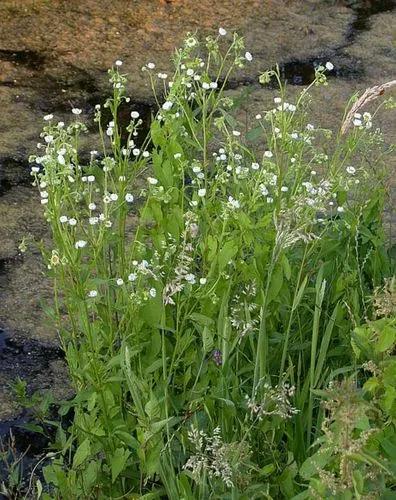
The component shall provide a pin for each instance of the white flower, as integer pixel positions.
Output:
(340, 209)
(277, 100)
(114, 196)
(162, 76)
(284, 189)
(190, 72)
(134, 115)
(49, 138)
(92, 293)
(76, 111)
(255, 166)
(146, 154)
(72, 221)
(201, 192)
(264, 191)
(47, 118)
(150, 65)
(119, 281)
(93, 220)
(213, 85)
(236, 133)
(167, 105)
(248, 56)
(310, 126)
(222, 32)
(132, 277)
(80, 244)
(129, 198)
(136, 152)
(176, 156)
(63, 219)
(351, 170)
(294, 135)
(191, 41)
(61, 159)
(106, 199)
(44, 201)
(109, 131)
(205, 86)
(152, 180)
(233, 203)
(152, 292)
(202, 281)
(329, 65)
(91, 178)
(258, 116)
(118, 63)
(92, 206)
(190, 278)
(270, 200)
(44, 194)
(268, 154)
(357, 122)
(292, 107)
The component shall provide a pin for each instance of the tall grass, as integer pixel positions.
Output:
(206, 284)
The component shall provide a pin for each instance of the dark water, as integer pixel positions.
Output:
(303, 72)
(363, 12)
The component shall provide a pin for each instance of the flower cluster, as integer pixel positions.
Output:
(224, 461)
(274, 401)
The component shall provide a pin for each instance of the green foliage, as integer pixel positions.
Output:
(356, 456)
(205, 311)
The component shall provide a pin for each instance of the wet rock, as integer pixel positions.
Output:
(376, 49)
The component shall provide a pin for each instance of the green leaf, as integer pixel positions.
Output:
(254, 134)
(276, 283)
(227, 253)
(386, 338)
(299, 294)
(118, 461)
(202, 319)
(82, 453)
(317, 461)
(152, 408)
(151, 312)
(207, 339)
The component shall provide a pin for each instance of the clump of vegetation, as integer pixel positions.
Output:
(208, 284)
